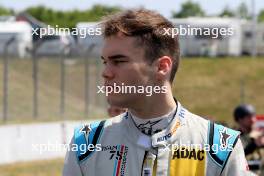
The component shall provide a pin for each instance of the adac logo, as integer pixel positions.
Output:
(188, 153)
(188, 161)
(86, 129)
(224, 137)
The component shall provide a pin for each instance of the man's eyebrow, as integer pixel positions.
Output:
(113, 57)
(117, 56)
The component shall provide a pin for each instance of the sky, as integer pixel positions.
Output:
(165, 7)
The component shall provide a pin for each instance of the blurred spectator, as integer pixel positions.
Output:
(115, 111)
(252, 139)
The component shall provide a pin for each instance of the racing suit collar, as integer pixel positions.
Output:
(159, 139)
(154, 125)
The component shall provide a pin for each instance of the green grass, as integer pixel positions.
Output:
(34, 168)
(208, 87)
(21, 90)
(211, 87)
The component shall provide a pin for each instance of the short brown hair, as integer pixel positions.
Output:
(149, 27)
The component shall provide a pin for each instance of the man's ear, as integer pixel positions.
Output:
(164, 65)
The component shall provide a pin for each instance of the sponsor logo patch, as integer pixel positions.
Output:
(184, 153)
(187, 161)
(224, 137)
(171, 133)
(119, 155)
(86, 129)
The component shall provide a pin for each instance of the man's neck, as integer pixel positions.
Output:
(154, 107)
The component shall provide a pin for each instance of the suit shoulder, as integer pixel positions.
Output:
(222, 141)
(87, 137)
(92, 132)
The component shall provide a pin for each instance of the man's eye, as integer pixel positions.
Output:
(104, 62)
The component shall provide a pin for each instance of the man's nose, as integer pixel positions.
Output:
(107, 72)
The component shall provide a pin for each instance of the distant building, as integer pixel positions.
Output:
(51, 45)
(89, 40)
(204, 36)
(247, 38)
(19, 36)
(210, 36)
(7, 18)
(228, 37)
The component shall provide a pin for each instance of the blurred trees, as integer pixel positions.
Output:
(261, 16)
(70, 18)
(5, 11)
(188, 9)
(227, 12)
(242, 11)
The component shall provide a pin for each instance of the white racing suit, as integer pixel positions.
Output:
(189, 146)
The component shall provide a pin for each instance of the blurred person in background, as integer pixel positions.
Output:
(251, 137)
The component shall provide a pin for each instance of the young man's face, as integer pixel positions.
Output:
(125, 63)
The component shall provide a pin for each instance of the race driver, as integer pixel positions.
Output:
(157, 135)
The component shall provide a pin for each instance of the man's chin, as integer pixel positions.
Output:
(115, 100)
